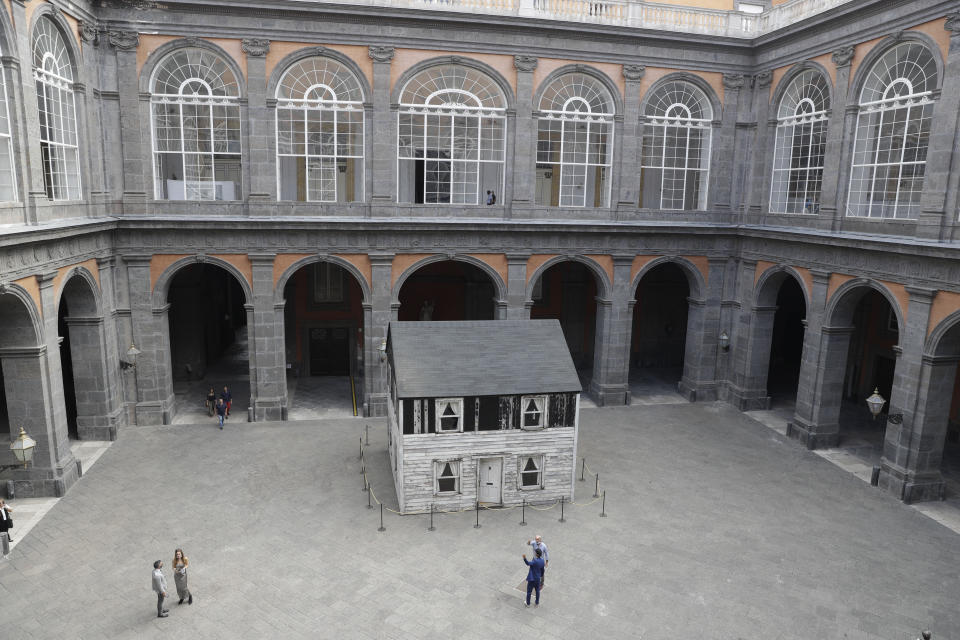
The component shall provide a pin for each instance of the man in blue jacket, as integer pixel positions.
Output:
(534, 575)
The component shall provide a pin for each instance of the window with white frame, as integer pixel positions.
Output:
(195, 109)
(675, 161)
(59, 148)
(446, 476)
(8, 180)
(450, 146)
(448, 412)
(800, 143)
(319, 132)
(574, 143)
(534, 410)
(893, 132)
(530, 472)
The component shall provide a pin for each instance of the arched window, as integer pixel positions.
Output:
(195, 100)
(53, 73)
(893, 131)
(319, 133)
(801, 139)
(8, 182)
(675, 163)
(574, 143)
(451, 137)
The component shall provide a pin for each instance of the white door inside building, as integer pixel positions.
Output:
(490, 471)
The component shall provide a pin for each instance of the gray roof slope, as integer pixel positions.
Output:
(480, 358)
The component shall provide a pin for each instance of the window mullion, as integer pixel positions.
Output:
(876, 160)
(903, 148)
(306, 151)
(183, 152)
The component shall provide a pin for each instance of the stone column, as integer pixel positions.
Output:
(30, 167)
(268, 386)
(112, 348)
(758, 178)
(525, 140)
(151, 334)
(840, 129)
(260, 170)
(381, 312)
(517, 308)
(611, 353)
(95, 177)
(383, 129)
(905, 468)
(135, 174)
(941, 169)
(87, 350)
(751, 333)
(629, 143)
(724, 138)
(703, 329)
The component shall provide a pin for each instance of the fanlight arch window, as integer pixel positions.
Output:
(675, 164)
(800, 143)
(574, 143)
(320, 132)
(8, 180)
(893, 133)
(450, 147)
(59, 147)
(195, 108)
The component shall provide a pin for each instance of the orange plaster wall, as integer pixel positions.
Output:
(702, 264)
(159, 263)
(546, 66)
(360, 55)
(401, 262)
(934, 29)
(362, 262)
(762, 266)
(639, 263)
(606, 263)
(807, 278)
(90, 265)
(900, 293)
(150, 43)
(30, 285)
(403, 59)
(242, 262)
(652, 74)
(497, 261)
(31, 5)
(283, 261)
(825, 60)
(836, 279)
(534, 262)
(944, 303)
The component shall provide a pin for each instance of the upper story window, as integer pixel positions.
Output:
(195, 107)
(675, 165)
(319, 133)
(893, 131)
(59, 149)
(574, 143)
(8, 182)
(448, 414)
(800, 143)
(451, 137)
(534, 412)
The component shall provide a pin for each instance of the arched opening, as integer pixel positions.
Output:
(66, 368)
(659, 334)
(21, 370)
(567, 292)
(447, 290)
(323, 329)
(208, 340)
(786, 346)
(940, 412)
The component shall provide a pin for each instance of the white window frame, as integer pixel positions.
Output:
(455, 468)
(441, 403)
(539, 460)
(543, 404)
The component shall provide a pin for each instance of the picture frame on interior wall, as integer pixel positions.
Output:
(892, 324)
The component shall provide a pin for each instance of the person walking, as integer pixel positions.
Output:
(538, 544)
(227, 399)
(534, 575)
(6, 520)
(160, 586)
(221, 411)
(180, 564)
(211, 402)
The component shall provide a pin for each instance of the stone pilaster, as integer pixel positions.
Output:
(627, 196)
(840, 129)
(135, 174)
(383, 129)
(517, 308)
(751, 334)
(724, 142)
(611, 354)
(380, 315)
(112, 348)
(703, 330)
(268, 383)
(95, 176)
(525, 140)
(30, 167)
(151, 334)
(260, 170)
(758, 178)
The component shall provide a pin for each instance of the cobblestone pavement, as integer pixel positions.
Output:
(717, 528)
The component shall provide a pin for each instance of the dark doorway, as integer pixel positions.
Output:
(447, 290)
(786, 347)
(66, 367)
(567, 291)
(659, 336)
(329, 351)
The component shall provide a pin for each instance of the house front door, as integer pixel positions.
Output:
(490, 471)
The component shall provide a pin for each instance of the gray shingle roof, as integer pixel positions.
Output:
(480, 358)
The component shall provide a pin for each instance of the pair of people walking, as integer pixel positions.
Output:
(159, 582)
(219, 406)
(537, 568)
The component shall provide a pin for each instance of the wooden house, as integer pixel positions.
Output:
(481, 411)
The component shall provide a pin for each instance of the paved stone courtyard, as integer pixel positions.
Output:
(718, 527)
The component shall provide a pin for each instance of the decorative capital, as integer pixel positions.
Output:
(633, 72)
(381, 53)
(90, 32)
(255, 47)
(763, 79)
(733, 80)
(843, 56)
(525, 63)
(124, 40)
(953, 24)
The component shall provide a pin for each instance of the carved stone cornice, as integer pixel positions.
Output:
(733, 80)
(527, 64)
(842, 57)
(124, 40)
(90, 32)
(633, 72)
(255, 47)
(763, 79)
(139, 5)
(381, 53)
(953, 24)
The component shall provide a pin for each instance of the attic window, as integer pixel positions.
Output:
(534, 412)
(449, 411)
(447, 476)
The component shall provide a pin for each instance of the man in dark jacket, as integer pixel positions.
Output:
(534, 575)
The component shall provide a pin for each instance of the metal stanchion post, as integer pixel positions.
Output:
(561, 509)
(583, 467)
(368, 435)
(430, 528)
(603, 505)
(363, 470)
(360, 457)
(523, 514)
(382, 528)
(369, 506)
(477, 526)
(596, 487)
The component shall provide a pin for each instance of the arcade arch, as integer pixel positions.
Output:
(777, 331)
(449, 289)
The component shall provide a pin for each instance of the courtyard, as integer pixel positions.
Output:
(717, 527)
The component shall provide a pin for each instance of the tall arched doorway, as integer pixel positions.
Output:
(208, 340)
(659, 334)
(323, 333)
(19, 348)
(447, 290)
